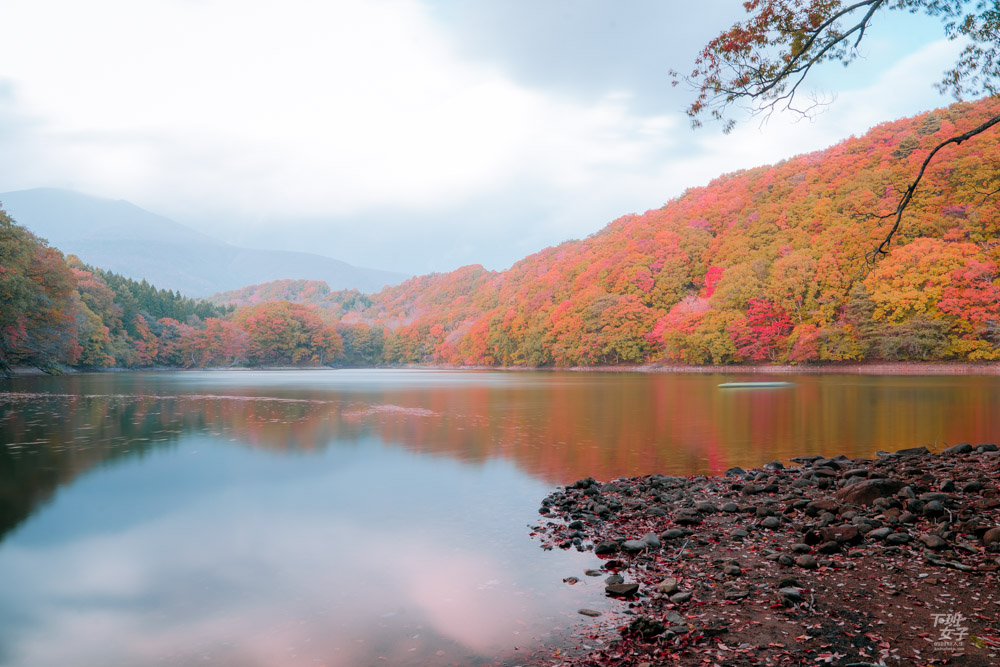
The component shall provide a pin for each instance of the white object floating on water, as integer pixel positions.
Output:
(753, 385)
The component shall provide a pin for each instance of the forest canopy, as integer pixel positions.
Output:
(760, 266)
(59, 312)
(761, 63)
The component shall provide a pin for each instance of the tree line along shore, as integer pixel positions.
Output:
(762, 266)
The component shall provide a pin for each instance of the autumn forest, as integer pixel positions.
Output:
(766, 265)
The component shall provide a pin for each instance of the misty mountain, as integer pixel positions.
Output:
(121, 237)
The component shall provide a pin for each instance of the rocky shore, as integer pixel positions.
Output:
(884, 561)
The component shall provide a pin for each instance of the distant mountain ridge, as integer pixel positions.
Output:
(124, 238)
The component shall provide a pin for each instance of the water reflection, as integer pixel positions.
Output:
(342, 517)
(344, 557)
(556, 427)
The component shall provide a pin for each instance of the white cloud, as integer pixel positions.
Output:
(266, 560)
(312, 108)
(901, 90)
(248, 116)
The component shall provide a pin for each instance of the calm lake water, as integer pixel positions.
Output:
(369, 517)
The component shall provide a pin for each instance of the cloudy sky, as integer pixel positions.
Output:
(413, 135)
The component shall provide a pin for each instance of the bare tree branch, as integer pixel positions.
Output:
(987, 194)
(793, 66)
(764, 59)
(904, 201)
(772, 82)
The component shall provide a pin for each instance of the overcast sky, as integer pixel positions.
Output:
(410, 135)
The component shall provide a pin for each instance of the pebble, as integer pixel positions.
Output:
(830, 547)
(667, 586)
(622, 590)
(608, 547)
(902, 537)
(806, 561)
(913, 451)
(790, 596)
(815, 507)
(867, 491)
(934, 509)
(879, 533)
(842, 533)
(687, 518)
(646, 627)
(933, 541)
(634, 546)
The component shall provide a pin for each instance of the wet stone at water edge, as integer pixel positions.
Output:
(825, 561)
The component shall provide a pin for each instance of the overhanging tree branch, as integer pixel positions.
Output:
(904, 201)
(741, 62)
(764, 60)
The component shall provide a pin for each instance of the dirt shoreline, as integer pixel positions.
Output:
(885, 561)
(916, 368)
(893, 368)
(874, 368)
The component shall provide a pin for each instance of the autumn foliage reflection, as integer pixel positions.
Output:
(558, 427)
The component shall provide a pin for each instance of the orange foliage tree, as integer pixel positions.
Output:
(286, 333)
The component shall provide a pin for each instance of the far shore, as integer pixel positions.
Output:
(879, 368)
(914, 368)
(874, 368)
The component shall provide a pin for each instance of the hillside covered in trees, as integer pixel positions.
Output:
(762, 265)
(57, 312)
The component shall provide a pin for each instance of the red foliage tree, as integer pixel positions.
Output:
(758, 336)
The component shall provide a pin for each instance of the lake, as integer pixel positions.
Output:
(366, 517)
